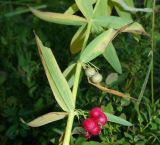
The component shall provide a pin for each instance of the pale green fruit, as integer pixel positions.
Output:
(90, 72)
(97, 78)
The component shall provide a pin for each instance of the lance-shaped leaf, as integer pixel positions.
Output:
(45, 119)
(69, 74)
(74, 8)
(121, 12)
(85, 6)
(77, 40)
(131, 9)
(111, 56)
(96, 29)
(55, 77)
(102, 8)
(119, 120)
(118, 22)
(59, 18)
(98, 45)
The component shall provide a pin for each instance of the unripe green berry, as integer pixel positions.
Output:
(90, 72)
(97, 78)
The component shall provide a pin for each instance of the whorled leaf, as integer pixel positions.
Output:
(65, 19)
(77, 40)
(102, 8)
(121, 12)
(131, 9)
(74, 8)
(98, 45)
(45, 119)
(118, 22)
(57, 81)
(85, 6)
(111, 56)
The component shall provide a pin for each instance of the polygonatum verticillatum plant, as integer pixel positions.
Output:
(98, 22)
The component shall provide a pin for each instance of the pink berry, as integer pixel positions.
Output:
(91, 127)
(96, 130)
(95, 112)
(102, 119)
(89, 124)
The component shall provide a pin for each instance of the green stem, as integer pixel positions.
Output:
(74, 91)
(76, 82)
(71, 114)
(152, 43)
(68, 128)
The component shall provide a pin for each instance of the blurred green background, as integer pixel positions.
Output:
(25, 92)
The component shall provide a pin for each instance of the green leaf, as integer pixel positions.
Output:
(123, 4)
(69, 74)
(115, 119)
(102, 8)
(45, 119)
(85, 6)
(96, 29)
(121, 12)
(59, 18)
(111, 56)
(118, 22)
(58, 83)
(77, 40)
(74, 8)
(98, 45)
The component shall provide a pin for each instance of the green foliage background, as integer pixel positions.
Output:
(25, 92)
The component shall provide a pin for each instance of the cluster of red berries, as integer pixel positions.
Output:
(93, 124)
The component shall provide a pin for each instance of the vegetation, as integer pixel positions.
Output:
(131, 71)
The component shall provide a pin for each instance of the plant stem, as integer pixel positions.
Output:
(152, 43)
(68, 128)
(74, 91)
(71, 114)
(76, 82)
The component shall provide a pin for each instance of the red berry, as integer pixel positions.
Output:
(89, 124)
(96, 130)
(95, 112)
(102, 119)
(91, 127)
